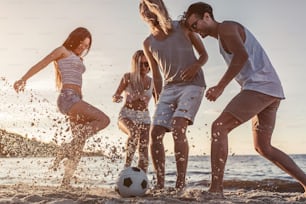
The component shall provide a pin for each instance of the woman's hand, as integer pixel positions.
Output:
(19, 85)
(117, 98)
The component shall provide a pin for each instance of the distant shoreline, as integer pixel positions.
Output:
(13, 145)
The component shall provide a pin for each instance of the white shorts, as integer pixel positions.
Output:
(177, 101)
(137, 116)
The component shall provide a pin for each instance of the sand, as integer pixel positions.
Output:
(23, 193)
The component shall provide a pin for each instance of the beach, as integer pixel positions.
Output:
(26, 177)
(28, 36)
(23, 193)
(29, 180)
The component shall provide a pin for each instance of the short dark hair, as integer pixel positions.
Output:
(199, 9)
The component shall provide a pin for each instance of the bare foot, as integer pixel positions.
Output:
(61, 154)
(70, 167)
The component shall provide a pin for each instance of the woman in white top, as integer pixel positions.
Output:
(134, 118)
(85, 120)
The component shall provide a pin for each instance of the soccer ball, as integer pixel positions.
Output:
(132, 182)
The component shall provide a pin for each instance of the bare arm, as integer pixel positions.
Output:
(192, 70)
(232, 38)
(157, 78)
(55, 54)
(117, 98)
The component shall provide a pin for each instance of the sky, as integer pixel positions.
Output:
(32, 29)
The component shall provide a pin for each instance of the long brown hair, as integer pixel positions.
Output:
(71, 43)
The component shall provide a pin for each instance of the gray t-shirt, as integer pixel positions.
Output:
(173, 55)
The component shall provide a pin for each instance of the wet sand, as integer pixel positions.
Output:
(23, 193)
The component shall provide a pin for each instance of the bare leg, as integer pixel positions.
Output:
(92, 118)
(85, 121)
(66, 150)
(219, 149)
(143, 148)
(131, 145)
(158, 154)
(181, 149)
(70, 167)
(133, 132)
(262, 143)
(61, 154)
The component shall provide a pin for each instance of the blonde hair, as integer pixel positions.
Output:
(158, 8)
(135, 78)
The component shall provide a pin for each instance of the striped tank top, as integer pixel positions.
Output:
(71, 69)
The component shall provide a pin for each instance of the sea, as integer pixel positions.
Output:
(242, 172)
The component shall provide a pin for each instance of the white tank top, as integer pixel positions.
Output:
(258, 74)
(132, 95)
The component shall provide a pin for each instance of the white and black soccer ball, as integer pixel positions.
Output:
(132, 182)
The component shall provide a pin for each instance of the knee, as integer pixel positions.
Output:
(156, 134)
(219, 132)
(133, 132)
(263, 150)
(179, 130)
(104, 122)
(217, 128)
(262, 142)
(179, 136)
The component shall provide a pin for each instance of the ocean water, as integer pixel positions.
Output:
(242, 172)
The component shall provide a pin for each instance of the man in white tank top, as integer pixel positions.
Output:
(260, 96)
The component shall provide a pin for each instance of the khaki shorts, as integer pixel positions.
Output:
(248, 104)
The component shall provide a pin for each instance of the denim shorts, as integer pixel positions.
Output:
(66, 99)
(137, 116)
(248, 104)
(177, 101)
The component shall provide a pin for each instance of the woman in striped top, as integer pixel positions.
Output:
(85, 120)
